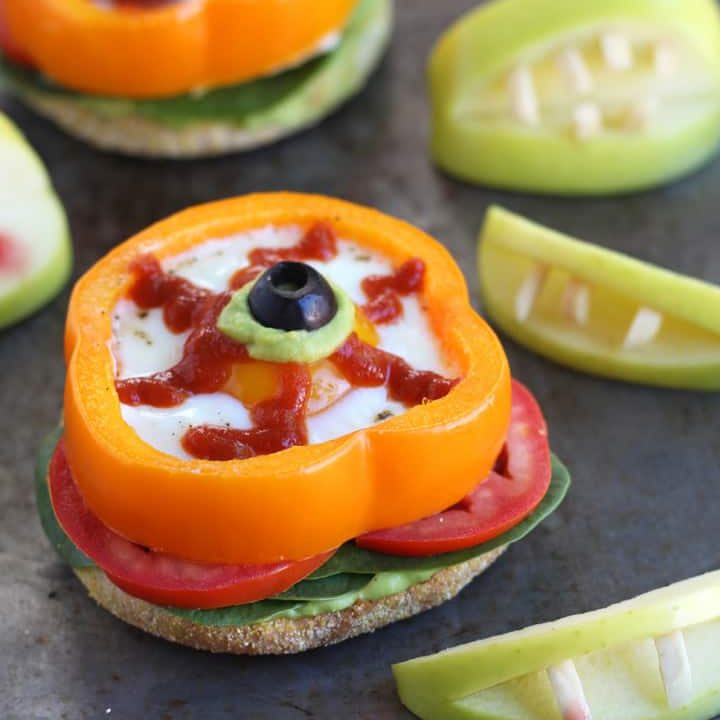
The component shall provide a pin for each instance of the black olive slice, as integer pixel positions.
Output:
(292, 296)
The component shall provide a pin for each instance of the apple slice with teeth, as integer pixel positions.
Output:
(591, 97)
(596, 310)
(650, 658)
(35, 251)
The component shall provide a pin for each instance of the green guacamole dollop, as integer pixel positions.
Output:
(273, 345)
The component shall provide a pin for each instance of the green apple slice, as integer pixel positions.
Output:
(35, 250)
(597, 310)
(650, 658)
(591, 97)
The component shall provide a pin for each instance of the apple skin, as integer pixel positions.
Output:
(33, 217)
(692, 301)
(489, 39)
(435, 687)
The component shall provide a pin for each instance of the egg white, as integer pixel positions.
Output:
(142, 344)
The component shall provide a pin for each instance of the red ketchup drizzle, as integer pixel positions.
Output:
(209, 355)
(279, 424)
(383, 291)
(319, 243)
(182, 302)
(206, 364)
(366, 366)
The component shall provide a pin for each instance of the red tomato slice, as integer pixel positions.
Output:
(159, 578)
(508, 495)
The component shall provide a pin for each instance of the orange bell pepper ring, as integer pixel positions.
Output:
(168, 49)
(309, 498)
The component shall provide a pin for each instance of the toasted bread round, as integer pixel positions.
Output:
(285, 635)
(131, 135)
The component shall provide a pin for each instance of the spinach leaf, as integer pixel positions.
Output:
(326, 588)
(238, 614)
(352, 559)
(55, 534)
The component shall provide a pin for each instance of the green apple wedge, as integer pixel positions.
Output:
(650, 658)
(35, 249)
(597, 310)
(568, 97)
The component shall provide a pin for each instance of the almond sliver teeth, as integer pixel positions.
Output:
(573, 66)
(665, 59)
(523, 96)
(568, 691)
(587, 120)
(645, 326)
(674, 668)
(576, 302)
(616, 50)
(526, 296)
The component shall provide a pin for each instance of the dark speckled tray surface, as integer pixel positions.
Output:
(646, 462)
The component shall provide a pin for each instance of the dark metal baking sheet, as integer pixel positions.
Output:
(646, 462)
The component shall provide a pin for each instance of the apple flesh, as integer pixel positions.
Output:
(35, 250)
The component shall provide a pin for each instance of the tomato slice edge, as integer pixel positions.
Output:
(500, 501)
(156, 577)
